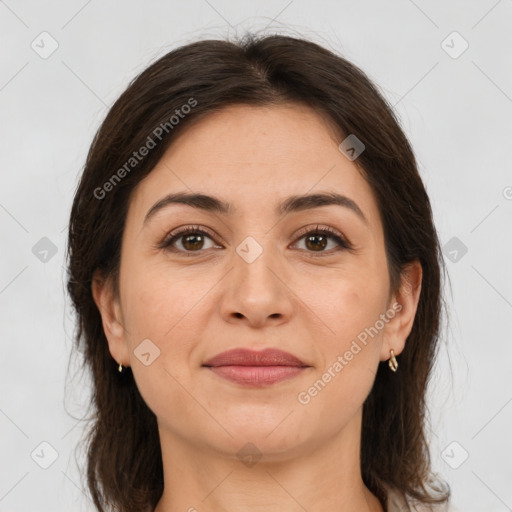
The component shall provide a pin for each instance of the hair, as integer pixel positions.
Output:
(124, 460)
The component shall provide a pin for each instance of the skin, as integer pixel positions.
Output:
(193, 308)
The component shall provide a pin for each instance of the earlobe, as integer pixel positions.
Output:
(111, 315)
(405, 304)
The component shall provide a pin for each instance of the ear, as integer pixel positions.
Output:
(404, 303)
(109, 306)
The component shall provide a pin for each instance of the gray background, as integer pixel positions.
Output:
(455, 106)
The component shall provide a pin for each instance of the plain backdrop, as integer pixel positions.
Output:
(444, 66)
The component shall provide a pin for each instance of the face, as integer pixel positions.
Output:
(311, 281)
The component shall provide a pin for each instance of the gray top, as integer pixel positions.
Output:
(395, 503)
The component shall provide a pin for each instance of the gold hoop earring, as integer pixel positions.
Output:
(392, 362)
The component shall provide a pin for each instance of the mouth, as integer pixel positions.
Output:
(256, 369)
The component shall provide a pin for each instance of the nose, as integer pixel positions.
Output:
(256, 290)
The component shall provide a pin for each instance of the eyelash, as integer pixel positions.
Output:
(167, 242)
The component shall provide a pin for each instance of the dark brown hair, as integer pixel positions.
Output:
(124, 455)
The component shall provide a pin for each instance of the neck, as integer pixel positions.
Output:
(316, 476)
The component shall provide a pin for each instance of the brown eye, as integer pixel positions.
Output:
(192, 242)
(191, 239)
(317, 240)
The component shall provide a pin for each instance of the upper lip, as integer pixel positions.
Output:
(246, 357)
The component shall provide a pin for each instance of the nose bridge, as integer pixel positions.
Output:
(256, 289)
(256, 262)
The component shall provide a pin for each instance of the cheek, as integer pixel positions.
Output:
(163, 306)
(155, 299)
(149, 308)
(157, 312)
(355, 354)
(348, 305)
(350, 356)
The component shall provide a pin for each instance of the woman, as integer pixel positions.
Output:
(252, 247)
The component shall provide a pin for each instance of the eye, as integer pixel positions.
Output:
(191, 239)
(316, 240)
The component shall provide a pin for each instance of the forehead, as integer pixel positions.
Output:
(255, 157)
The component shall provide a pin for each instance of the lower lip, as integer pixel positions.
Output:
(256, 375)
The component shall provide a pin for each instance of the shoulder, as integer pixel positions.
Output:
(397, 503)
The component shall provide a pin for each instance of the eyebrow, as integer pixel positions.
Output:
(291, 204)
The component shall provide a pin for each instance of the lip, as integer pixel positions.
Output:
(246, 357)
(252, 368)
